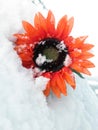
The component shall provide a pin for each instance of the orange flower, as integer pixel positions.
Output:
(52, 53)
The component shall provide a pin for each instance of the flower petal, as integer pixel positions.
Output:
(77, 43)
(69, 26)
(61, 84)
(28, 64)
(75, 54)
(87, 64)
(55, 89)
(25, 57)
(50, 24)
(47, 75)
(47, 90)
(61, 27)
(69, 77)
(80, 69)
(33, 33)
(40, 25)
(29, 28)
(85, 55)
(86, 47)
(22, 38)
(42, 22)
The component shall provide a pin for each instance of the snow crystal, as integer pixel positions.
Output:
(78, 50)
(41, 42)
(68, 60)
(41, 59)
(61, 46)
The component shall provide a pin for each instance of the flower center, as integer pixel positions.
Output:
(50, 54)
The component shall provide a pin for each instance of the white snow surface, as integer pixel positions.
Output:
(22, 103)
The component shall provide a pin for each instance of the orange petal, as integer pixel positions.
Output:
(86, 71)
(78, 42)
(69, 41)
(82, 38)
(22, 38)
(47, 90)
(25, 57)
(85, 55)
(50, 24)
(80, 69)
(56, 91)
(61, 27)
(29, 28)
(74, 54)
(86, 47)
(69, 26)
(87, 64)
(40, 25)
(54, 87)
(42, 21)
(47, 75)
(69, 77)
(36, 21)
(61, 84)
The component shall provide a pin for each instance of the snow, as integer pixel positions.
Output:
(61, 46)
(41, 59)
(68, 60)
(22, 103)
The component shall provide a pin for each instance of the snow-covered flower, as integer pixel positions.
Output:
(56, 54)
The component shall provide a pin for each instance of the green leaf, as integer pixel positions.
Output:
(79, 74)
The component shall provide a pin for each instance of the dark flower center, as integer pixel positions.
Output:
(50, 54)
